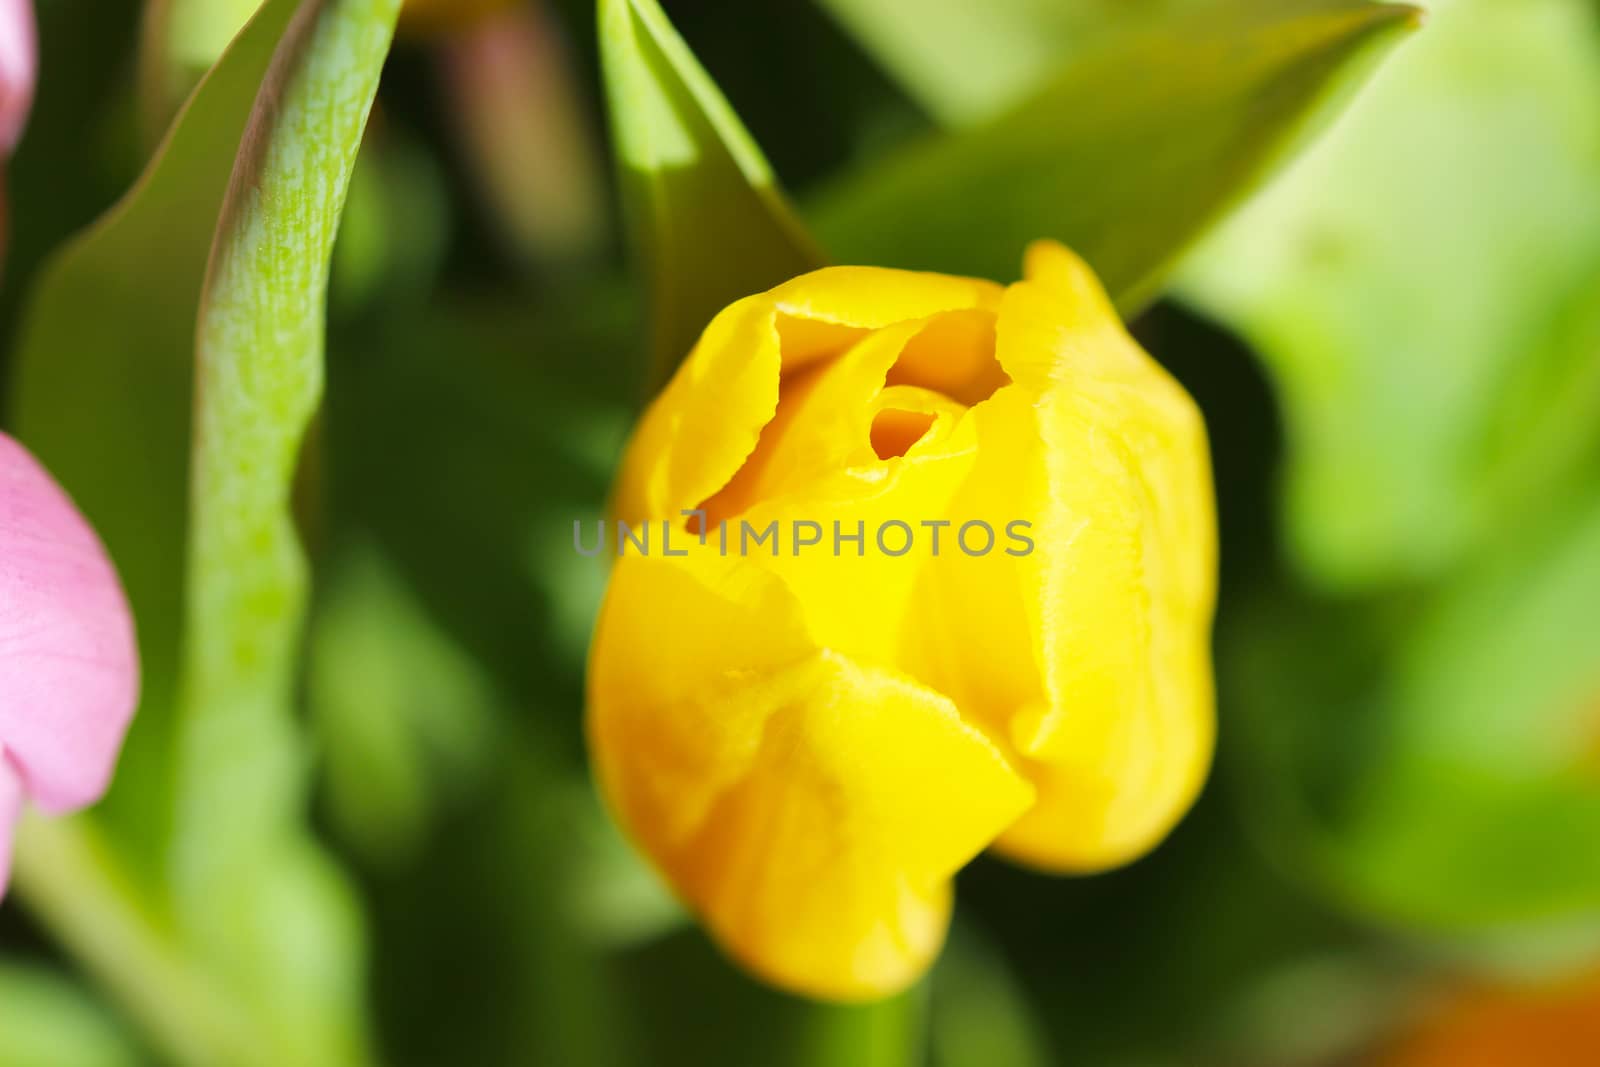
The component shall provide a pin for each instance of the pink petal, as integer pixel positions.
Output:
(19, 68)
(69, 672)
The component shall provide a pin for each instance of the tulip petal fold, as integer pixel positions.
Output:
(788, 800)
(981, 618)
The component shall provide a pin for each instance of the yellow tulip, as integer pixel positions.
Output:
(810, 739)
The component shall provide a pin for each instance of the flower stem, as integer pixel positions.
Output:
(891, 1033)
(76, 887)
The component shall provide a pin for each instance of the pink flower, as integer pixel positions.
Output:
(19, 66)
(69, 667)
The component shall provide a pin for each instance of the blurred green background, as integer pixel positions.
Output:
(1367, 242)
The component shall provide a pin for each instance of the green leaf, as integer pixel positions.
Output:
(180, 41)
(1422, 288)
(1484, 807)
(395, 230)
(707, 220)
(254, 894)
(47, 1021)
(966, 62)
(103, 397)
(522, 876)
(405, 719)
(477, 514)
(1127, 156)
(1438, 767)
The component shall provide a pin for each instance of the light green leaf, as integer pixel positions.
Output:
(181, 39)
(1127, 156)
(104, 365)
(1439, 767)
(47, 1021)
(254, 895)
(967, 62)
(708, 222)
(1423, 289)
(1483, 808)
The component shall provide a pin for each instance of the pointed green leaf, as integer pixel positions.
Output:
(104, 364)
(1127, 156)
(254, 894)
(708, 222)
(1423, 288)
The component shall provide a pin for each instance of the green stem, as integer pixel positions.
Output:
(73, 884)
(891, 1033)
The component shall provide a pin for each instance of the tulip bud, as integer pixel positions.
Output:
(68, 663)
(933, 569)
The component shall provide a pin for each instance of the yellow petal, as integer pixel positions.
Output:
(1059, 325)
(1091, 654)
(953, 354)
(864, 466)
(869, 298)
(1121, 744)
(859, 601)
(822, 426)
(811, 809)
(708, 419)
